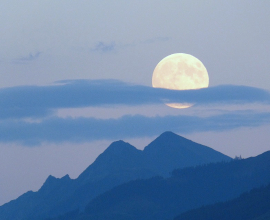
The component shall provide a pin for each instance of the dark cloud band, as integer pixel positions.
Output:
(40, 101)
(59, 130)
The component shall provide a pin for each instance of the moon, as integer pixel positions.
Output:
(180, 71)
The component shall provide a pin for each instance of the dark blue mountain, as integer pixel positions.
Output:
(170, 151)
(252, 205)
(118, 164)
(159, 198)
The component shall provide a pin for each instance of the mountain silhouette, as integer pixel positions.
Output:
(120, 157)
(118, 164)
(167, 152)
(159, 198)
(253, 205)
(170, 151)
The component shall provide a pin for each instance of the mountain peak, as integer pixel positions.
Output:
(171, 150)
(119, 147)
(168, 135)
(119, 155)
(53, 182)
(167, 139)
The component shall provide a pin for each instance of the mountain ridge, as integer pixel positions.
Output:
(119, 163)
(159, 198)
(251, 205)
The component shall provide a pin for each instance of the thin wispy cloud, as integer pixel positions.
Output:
(41, 101)
(105, 47)
(57, 130)
(28, 58)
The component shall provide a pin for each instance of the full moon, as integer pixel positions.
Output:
(180, 71)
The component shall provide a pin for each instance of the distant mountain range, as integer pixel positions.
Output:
(159, 198)
(254, 205)
(118, 164)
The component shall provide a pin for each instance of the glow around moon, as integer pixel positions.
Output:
(180, 71)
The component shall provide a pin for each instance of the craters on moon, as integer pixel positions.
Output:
(180, 71)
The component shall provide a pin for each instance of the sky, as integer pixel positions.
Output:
(76, 76)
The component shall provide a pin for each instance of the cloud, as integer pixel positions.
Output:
(103, 47)
(59, 130)
(111, 46)
(30, 57)
(41, 101)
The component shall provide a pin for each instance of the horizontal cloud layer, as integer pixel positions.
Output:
(58, 130)
(40, 101)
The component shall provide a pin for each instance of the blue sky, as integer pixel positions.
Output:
(76, 76)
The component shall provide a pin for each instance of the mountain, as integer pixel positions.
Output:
(118, 164)
(167, 152)
(253, 205)
(119, 158)
(159, 198)
(170, 151)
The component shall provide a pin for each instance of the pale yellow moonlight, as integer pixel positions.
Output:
(180, 71)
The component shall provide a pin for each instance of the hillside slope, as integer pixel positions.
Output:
(119, 163)
(249, 206)
(188, 188)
